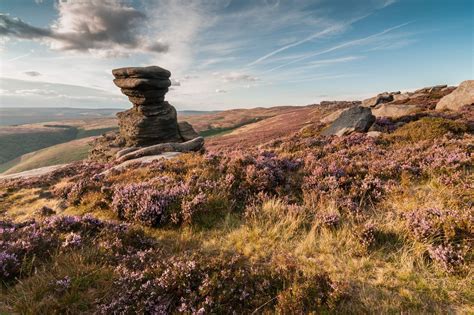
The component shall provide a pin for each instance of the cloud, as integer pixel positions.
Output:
(235, 76)
(324, 32)
(220, 91)
(32, 73)
(108, 27)
(342, 45)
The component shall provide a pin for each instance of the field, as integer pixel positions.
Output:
(300, 223)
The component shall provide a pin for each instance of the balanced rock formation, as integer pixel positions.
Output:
(354, 119)
(463, 95)
(151, 120)
(150, 127)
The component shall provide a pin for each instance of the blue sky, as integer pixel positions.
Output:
(231, 53)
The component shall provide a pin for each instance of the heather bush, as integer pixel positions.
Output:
(202, 283)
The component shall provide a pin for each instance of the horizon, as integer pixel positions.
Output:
(232, 54)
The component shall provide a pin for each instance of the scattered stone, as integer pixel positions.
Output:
(355, 119)
(374, 134)
(463, 95)
(394, 111)
(45, 211)
(401, 97)
(379, 99)
(430, 89)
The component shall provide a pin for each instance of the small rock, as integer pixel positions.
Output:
(374, 134)
(379, 99)
(357, 119)
(463, 95)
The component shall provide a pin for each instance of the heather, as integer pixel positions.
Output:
(304, 223)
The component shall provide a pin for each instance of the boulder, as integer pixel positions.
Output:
(401, 97)
(355, 119)
(393, 110)
(187, 131)
(333, 116)
(379, 99)
(463, 95)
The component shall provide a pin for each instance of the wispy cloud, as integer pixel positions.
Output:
(341, 46)
(324, 32)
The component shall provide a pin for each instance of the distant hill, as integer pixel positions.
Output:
(57, 154)
(36, 145)
(10, 116)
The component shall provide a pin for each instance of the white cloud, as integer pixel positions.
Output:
(236, 76)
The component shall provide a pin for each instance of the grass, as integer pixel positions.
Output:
(391, 276)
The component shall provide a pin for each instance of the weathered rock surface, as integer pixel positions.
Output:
(152, 120)
(463, 95)
(188, 146)
(430, 89)
(393, 110)
(379, 99)
(142, 84)
(355, 119)
(140, 129)
(152, 72)
(187, 131)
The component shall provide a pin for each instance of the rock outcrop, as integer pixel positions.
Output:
(385, 97)
(152, 120)
(463, 95)
(355, 119)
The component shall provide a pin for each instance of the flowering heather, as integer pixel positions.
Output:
(449, 257)
(147, 204)
(203, 283)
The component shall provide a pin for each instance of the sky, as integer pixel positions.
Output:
(231, 53)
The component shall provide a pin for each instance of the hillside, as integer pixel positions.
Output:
(67, 152)
(33, 137)
(38, 136)
(274, 214)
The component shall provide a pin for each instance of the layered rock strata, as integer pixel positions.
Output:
(152, 120)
